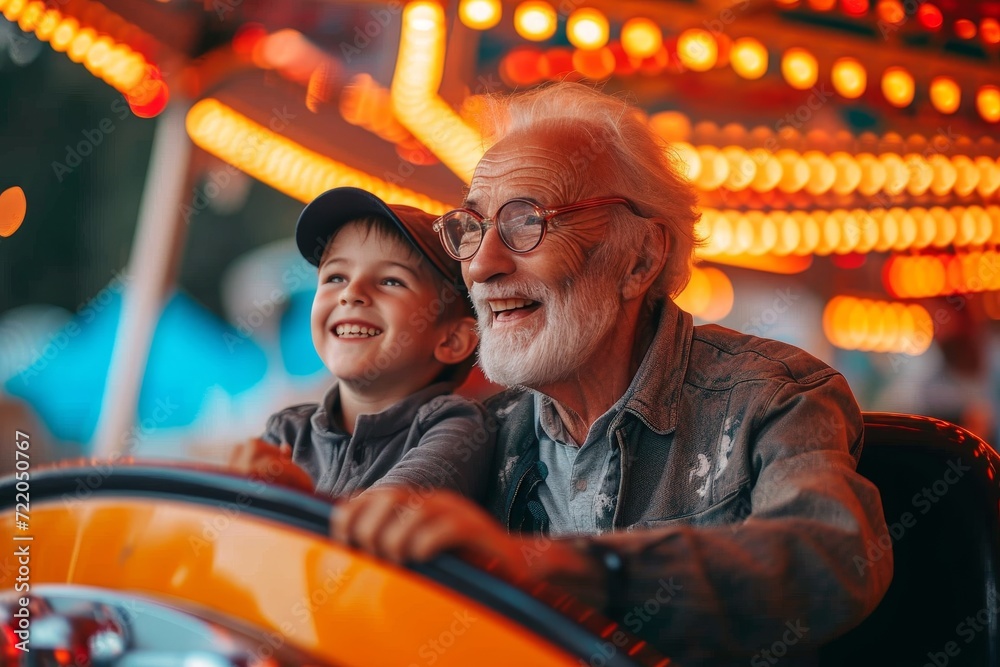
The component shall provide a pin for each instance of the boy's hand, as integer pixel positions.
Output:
(269, 463)
(401, 524)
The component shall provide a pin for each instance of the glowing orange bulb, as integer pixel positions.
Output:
(520, 66)
(47, 24)
(671, 125)
(742, 168)
(890, 11)
(930, 16)
(849, 78)
(81, 44)
(848, 173)
(596, 64)
(748, 58)
(873, 174)
(854, 7)
(535, 20)
(896, 174)
(988, 103)
(822, 173)
(13, 9)
(897, 86)
(945, 94)
(587, 29)
(641, 37)
(31, 15)
(479, 14)
(714, 168)
(965, 28)
(800, 69)
(989, 31)
(419, 16)
(64, 33)
(696, 295)
(697, 50)
(769, 170)
(13, 206)
(721, 300)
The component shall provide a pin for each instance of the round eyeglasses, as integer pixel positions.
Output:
(521, 224)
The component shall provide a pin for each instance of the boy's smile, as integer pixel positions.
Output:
(355, 330)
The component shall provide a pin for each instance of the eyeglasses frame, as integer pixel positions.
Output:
(546, 215)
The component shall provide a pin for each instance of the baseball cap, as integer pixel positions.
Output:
(331, 210)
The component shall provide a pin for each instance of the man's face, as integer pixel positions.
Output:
(546, 314)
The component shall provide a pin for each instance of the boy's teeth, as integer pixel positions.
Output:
(356, 331)
(501, 305)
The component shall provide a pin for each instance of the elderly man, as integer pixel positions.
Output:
(718, 465)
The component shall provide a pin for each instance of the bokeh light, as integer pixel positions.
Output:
(641, 37)
(13, 208)
(800, 69)
(535, 20)
(897, 86)
(479, 14)
(748, 58)
(930, 16)
(849, 78)
(697, 49)
(587, 28)
(946, 96)
(988, 103)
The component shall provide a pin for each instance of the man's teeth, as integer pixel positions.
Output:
(356, 331)
(501, 305)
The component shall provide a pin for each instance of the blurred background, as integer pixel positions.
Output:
(154, 156)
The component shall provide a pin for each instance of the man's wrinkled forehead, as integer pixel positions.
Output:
(545, 164)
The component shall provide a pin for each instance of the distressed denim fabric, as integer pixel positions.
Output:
(738, 487)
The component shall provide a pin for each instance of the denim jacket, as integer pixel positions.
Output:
(739, 511)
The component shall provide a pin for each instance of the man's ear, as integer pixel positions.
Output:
(647, 265)
(459, 341)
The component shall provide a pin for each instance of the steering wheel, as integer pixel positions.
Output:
(255, 560)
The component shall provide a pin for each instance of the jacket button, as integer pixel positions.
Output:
(581, 485)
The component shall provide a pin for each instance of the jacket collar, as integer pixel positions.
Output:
(656, 388)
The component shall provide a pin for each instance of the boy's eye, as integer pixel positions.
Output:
(393, 282)
(334, 278)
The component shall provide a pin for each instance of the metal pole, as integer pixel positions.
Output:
(156, 252)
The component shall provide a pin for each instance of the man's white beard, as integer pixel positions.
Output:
(578, 317)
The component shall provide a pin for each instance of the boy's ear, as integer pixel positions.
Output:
(459, 342)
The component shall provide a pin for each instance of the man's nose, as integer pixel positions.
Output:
(493, 259)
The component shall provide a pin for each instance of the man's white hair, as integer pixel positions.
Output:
(619, 155)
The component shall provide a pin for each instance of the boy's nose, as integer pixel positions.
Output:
(352, 295)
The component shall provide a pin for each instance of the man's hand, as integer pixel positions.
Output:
(401, 524)
(269, 463)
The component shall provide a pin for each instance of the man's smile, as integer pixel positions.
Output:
(509, 309)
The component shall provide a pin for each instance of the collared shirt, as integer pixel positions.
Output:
(575, 493)
(431, 439)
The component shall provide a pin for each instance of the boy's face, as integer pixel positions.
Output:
(374, 320)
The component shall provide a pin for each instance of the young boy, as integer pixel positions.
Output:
(392, 323)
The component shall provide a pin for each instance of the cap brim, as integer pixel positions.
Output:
(323, 216)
